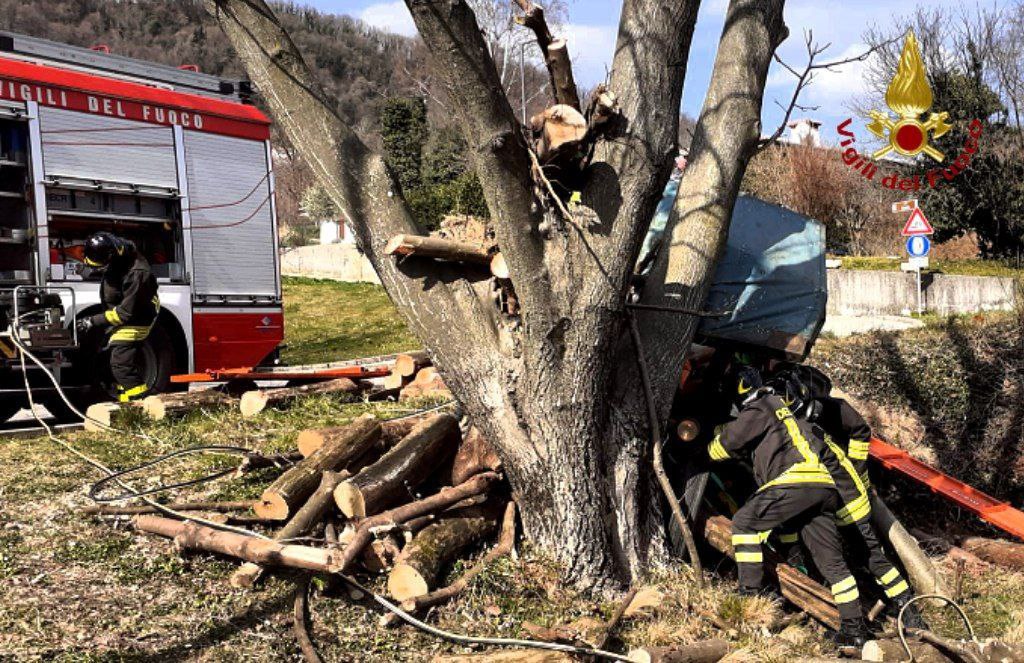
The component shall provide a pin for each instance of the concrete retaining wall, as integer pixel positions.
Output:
(862, 292)
(340, 262)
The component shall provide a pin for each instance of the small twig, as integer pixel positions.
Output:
(616, 617)
(301, 620)
(550, 187)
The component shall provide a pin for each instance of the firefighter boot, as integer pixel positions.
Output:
(911, 616)
(852, 633)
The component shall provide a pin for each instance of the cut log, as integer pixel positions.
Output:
(115, 510)
(304, 520)
(921, 573)
(558, 130)
(499, 268)
(159, 406)
(706, 651)
(504, 546)
(388, 481)
(408, 364)
(995, 551)
(100, 416)
(190, 536)
(291, 489)
(806, 594)
(419, 566)
(435, 247)
(508, 656)
(391, 433)
(892, 650)
(427, 384)
(361, 536)
(256, 461)
(475, 455)
(254, 402)
(381, 554)
(394, 381)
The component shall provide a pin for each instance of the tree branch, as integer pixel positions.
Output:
(555, 51)
(805, 77)
(498, 147)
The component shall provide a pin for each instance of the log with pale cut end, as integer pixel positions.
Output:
(388, 481)
(705, 651)
(560, 67)
(428, 384)
(475, 455)
(391, 433)
(419, 566)
(191, 536)
(159, 406)
(381, 554)
(408, 363)
(254, 402)
(99, 416)
(499, 268)
(892, 650)
(394, 381)
(435, 247)
(280, 500)
(305, 519)
(559, 128)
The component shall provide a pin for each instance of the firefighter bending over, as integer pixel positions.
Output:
(794, 488)
(129, 293)
(847, 435)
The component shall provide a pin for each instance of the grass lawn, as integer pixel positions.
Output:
(90, 589)
(328, 320)
(962, 267)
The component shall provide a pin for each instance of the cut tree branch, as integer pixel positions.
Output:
(555, 51)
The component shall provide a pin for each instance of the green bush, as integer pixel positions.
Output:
(463, 195)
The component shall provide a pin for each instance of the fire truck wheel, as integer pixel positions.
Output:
(158, 364)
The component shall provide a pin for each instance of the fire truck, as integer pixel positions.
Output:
(175, 160)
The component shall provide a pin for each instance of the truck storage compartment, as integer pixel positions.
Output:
(16, 228)
(231, 209)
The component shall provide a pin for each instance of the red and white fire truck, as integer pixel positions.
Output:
(177, 161)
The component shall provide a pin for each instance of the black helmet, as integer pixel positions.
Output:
(102, 247)
(747, 381)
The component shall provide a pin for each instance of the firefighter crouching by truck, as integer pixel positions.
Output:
(129, 293)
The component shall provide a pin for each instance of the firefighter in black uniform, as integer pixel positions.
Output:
(128, 291)
(847, 436)
(794, 487)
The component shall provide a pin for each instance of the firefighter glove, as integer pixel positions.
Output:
(83, 325)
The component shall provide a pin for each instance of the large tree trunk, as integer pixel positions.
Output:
(555, 387)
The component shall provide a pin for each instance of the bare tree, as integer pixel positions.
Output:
(556, 386)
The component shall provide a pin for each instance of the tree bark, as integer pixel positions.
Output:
(706, 651)
(401, 469)
(921, 573)
(254, 402)
(305, 519)
(115, 510)
(995, 551)
(391, 433)
(428, 383)
(190, 536)
(159, 406)
(892, 650)
(419, 566)
(291, 489)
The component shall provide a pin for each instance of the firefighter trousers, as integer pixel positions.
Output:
(126, 367)
(809, 509)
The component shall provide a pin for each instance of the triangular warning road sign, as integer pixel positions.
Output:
(917, 224)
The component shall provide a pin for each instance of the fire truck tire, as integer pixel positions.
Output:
(158, 365)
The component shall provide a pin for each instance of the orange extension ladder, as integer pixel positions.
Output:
(988, 508)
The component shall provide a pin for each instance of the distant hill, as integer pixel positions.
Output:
(355, 63)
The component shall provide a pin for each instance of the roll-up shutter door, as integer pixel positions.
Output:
(98, 147)
(231, 216)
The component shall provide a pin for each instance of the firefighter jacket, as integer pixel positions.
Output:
(847, 429)
(781, 450)
(129, 293)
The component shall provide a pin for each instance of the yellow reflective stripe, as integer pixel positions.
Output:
(897, 589)
(847, 597)
(130, 333)
(716, 450)
(844, 584)
(859, 450)
(93, 263)
(127, 394)
(857, 506)
(746, 539)
(789, 538)
(799, 474)
(749, 557)
(112, 317)
(7, 350)
(890, 577)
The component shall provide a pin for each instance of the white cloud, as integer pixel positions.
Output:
(591, 48)
(831, 89)
(390, 16)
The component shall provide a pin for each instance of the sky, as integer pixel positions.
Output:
(592, 26)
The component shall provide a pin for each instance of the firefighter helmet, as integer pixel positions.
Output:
(748, 381)
(102, 247)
